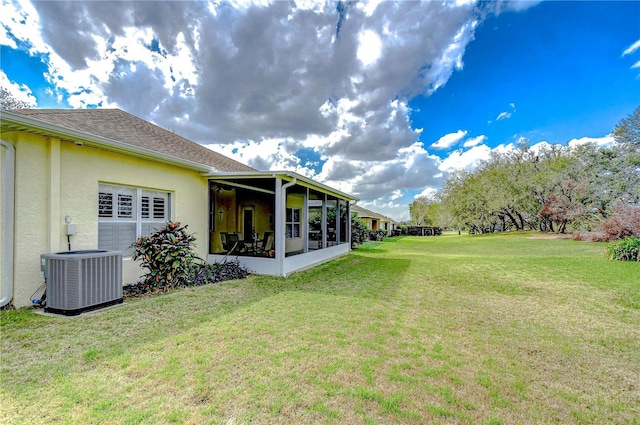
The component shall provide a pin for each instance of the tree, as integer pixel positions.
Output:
(627, 137)
(627, 131)
(466, 201)
(9, 101)
(422, 211)
(550, 188)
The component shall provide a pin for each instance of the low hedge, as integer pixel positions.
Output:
(627, 249)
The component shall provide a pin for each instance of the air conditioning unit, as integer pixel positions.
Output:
(79, 281)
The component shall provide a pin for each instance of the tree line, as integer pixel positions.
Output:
(551, 188)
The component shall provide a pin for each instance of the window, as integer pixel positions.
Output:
(293, 223)
(159, 210)
(145, 207)
(125, 206)
(124, 213)
(105, 204)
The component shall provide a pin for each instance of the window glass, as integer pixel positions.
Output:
(125, 206)
(159, 210)
(145, 207)
(105, 204)
(293, 223)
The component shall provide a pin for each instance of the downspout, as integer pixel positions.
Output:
(283, 208)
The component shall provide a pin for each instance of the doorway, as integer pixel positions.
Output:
(248, 226)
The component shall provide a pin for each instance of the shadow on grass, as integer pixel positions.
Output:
(38, 349)
(354, 275)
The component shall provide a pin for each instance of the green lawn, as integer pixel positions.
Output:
(514, 328)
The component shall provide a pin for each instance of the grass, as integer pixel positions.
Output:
(494, 329)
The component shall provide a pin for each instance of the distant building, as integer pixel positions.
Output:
(374, 220)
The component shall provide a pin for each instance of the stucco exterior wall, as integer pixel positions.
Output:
(54, 179)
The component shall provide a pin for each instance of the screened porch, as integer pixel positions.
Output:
(275, 223)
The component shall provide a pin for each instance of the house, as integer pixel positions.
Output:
(373, 220)
(97, 178)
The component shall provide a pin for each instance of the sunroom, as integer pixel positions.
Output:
(276, 223)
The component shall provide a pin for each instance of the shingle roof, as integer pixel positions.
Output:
(123, 127)
(363, 212)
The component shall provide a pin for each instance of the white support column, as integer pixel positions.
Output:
(281, 199)
(338, 224)
(279, 226)
(324, 220)
(349, 223)
(305, 221)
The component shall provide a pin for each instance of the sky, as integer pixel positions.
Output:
(379, 99)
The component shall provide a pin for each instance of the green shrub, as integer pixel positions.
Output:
(170, 261)
(167, 255)
(359, 231)
(627, 249)
(377, 235)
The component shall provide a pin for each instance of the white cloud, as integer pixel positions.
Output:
(18, 91)
(266, 154)
(469, 159)
(605, 141)
(512, 5)
(506, 114)
(520, 5)
(261, 82)
(396, 194)
(429, 192)
(465, 159)
(370, 47)
(474, 141)
(449, 140)
(635, 46)
(503, 116)
(368, 7)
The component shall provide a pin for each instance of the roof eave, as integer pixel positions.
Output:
(25, 123)
(285, 175)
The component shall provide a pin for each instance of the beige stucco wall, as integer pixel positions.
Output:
(56, 178)
(6, 222)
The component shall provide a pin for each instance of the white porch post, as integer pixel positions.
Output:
(324, 220)
(281, 221)
(349, 223)
(338, 221)
(279, 226)
(305, 221)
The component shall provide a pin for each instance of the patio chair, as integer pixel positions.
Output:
(266, 245)
(234, 245)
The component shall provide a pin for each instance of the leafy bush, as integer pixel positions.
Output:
(167, 255)
(627, 249)
(170, 261)
(377, 235)
(359, 231)
(206, 273)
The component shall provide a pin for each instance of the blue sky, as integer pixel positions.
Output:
(379, 99)
(555, 72)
